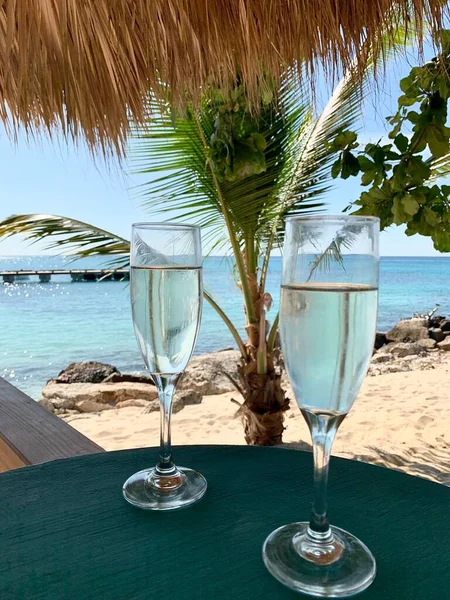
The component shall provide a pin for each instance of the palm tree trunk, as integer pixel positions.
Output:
(264, 404)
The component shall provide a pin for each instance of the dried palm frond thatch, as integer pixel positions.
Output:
(87, 65)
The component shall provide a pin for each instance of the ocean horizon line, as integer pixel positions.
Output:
(106, 258)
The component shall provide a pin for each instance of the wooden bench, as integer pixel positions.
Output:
(30, 434)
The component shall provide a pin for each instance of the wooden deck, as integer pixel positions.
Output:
(30, 434)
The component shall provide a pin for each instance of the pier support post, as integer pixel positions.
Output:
(44, 277)
(8, 278)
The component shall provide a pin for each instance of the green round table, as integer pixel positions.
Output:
(67, 533)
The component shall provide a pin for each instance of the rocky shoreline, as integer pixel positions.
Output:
(92, 387)
(417, 343)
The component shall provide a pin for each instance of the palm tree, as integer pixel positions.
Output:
(239, 173)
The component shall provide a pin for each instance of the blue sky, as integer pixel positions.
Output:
(56, 177)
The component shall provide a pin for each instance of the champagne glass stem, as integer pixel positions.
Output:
(166, 389)
(323, 428)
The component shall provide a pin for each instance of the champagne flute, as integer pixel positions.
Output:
(166, 302)
(328, 314)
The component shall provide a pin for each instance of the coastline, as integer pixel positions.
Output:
(52, 324)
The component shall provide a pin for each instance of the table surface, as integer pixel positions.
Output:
(66, 531)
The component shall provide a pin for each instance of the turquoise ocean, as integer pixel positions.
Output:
(45, 326)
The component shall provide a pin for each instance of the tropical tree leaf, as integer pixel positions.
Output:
(79, 238)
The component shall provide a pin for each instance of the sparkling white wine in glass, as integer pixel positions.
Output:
(166, 302)
(327, 332)
(328, 313)
(166, 306)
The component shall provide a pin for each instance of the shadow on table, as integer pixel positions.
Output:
(432, 464)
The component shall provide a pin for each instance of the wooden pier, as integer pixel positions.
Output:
(45, 275)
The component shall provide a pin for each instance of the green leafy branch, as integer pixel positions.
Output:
(401, 174)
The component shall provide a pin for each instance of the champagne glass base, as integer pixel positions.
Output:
(138, 491)
(352, 572)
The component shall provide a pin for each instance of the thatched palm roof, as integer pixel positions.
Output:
(87, 64)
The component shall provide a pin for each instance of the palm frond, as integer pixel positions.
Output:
(172, 154)
(308, 173)
(344, 240)
(298, 164)
(307, 176)
(187, 189)
(324, 260)
(79, 238)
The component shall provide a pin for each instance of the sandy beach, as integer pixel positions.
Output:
(400, 420)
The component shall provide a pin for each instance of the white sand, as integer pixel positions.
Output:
(401, 420)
